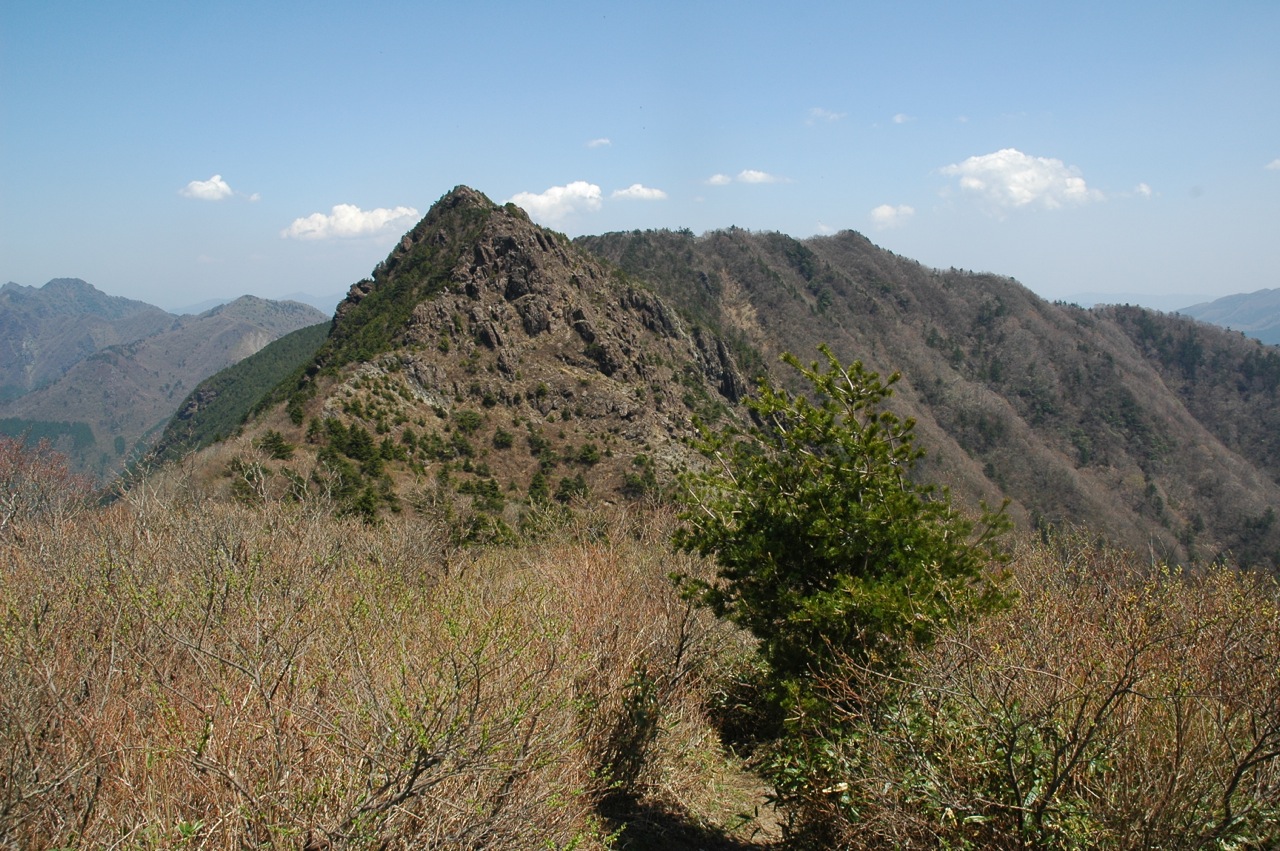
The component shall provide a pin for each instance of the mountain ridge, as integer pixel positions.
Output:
(481, 331)
(1054, 406)
(114, 370)
(1256, 314)
(489, 367)
(45, 330)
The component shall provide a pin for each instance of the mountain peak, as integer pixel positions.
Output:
(252, 308)
(71, 285)
(458, 245)
(487, 274)
(497, 362)
(481, 331)
(461, 195)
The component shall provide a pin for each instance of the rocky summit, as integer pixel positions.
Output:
(490, 364)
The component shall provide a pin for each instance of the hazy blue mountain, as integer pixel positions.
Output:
(44, 331)
(326, 304)
(1256, 314)
(200, 306)
(113, 371)
(1153, 301)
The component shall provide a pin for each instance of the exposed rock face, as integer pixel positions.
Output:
(536, 309)
(194, 403)
(718, 366)
(479, 309)
(355, 295)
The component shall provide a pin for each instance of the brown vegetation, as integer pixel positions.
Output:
(35, 485)
(178, 670)
(1113, 706)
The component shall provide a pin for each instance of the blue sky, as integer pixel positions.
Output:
(176, 152)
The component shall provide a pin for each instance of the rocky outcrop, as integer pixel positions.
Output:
(478, 309)
(537, 306)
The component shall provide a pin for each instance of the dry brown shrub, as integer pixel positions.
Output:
(173, 670)
(37, 490)
(1116, 705)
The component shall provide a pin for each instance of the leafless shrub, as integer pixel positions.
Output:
(1116, 705)
(36, 487)
(191, 671)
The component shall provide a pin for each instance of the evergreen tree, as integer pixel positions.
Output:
(827, 549)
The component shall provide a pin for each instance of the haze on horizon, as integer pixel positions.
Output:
(176, 154)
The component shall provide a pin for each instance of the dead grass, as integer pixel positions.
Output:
(174, 671)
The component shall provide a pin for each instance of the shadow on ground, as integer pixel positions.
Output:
(648, 827)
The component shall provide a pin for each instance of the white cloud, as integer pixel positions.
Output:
(817, 114)
(1274, 165)
(902, 118)
(346, 220)
(602, 142)
(1143, 190)
(558, 202)
(213, 189)
(748, 175)
(825, 229)
(638, 192)
(1011, 179)
(888, 216)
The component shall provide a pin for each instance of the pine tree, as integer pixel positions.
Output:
(827, 549)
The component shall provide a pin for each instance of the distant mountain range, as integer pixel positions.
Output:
(489, 365)
(325, 304)
(44, 331)
(100, 375)
(1256, 314)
